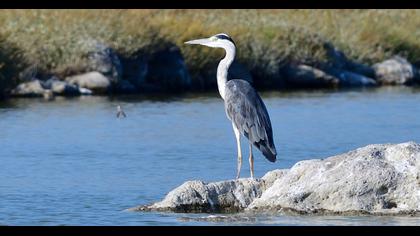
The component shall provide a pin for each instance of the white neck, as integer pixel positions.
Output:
(222, 69)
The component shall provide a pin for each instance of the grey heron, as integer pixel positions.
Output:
(243, 105)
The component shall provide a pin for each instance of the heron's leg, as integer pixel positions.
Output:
(238, 143)
(251, 160)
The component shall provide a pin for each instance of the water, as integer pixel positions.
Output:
(71, 162)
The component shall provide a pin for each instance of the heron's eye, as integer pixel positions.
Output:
(213, 38)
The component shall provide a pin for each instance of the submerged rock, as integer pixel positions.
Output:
(376, 179)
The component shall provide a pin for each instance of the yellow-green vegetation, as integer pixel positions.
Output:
(53, 39)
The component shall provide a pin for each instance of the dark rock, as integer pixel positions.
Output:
(135, 69)
(339, 61)
(60, 87)
(350, 79)
(103, 59)
(238, 71)
(124, 86)
(167, 71)
(304, 76)
(30, 73)
(207, 78)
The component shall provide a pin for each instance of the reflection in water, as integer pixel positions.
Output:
(299, 220)
(71, 162)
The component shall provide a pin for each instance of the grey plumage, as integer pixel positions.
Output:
(247, 111)
(244, 107)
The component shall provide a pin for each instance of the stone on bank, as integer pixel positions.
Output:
(94, 81)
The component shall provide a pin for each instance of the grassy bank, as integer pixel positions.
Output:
(51, 39)
(12, 62)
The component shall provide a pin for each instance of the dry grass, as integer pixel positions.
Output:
(52, 39)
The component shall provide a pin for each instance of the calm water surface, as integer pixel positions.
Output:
(71, 162)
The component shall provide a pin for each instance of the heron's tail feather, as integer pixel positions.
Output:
(269, 152)
(267, 149)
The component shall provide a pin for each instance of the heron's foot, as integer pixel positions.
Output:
(252, 174)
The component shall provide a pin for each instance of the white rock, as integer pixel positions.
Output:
(94, 81)
(376, 179)
(396, 70)
(85, 91)
(32, 88)
(223, 196)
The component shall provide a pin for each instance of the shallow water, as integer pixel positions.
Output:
(72, 162)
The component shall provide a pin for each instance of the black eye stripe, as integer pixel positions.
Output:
(222, 36)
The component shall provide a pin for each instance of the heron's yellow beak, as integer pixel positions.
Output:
(204, 42)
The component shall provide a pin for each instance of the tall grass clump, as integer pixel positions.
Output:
(266, 39)
(11, 64)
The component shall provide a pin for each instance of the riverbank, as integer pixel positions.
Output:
(138, 51)
(380, 179)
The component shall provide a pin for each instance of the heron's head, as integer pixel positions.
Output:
(216, 41)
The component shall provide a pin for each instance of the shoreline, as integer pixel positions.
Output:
(281, 49)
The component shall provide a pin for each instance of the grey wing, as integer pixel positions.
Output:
(245, 108)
